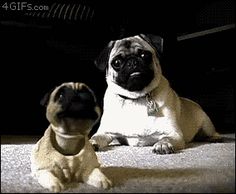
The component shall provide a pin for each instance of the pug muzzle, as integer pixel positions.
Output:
(71, 105)
(134, 68)
(132, 65)
(76, 103)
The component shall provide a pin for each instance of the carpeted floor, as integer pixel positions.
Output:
(200, 168)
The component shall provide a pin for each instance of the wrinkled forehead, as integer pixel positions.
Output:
(71, 86)
(130, 45)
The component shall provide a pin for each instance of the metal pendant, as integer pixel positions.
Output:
(152, 107)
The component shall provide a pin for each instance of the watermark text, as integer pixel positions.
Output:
(23, 6)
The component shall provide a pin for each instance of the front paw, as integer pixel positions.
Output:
(49, 181)
(104, 183)
(56, 186)
(163, 147)
(98, 179)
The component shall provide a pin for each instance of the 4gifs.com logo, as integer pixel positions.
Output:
(23, 6)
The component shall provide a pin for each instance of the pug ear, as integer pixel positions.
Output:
(155, 41)
(101, 62)
(44, 101)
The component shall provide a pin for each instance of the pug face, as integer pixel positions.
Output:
(71, 106)
(132, 65)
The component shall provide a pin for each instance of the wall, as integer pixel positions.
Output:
(39, 53)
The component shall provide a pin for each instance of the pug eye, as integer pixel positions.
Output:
(146, 55)
(143, 55)
(60, 95)
(116, 63)
(61, 98)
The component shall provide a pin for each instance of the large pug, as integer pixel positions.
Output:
(64, 153)
(140, 107)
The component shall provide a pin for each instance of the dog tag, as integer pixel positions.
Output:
(152, 107)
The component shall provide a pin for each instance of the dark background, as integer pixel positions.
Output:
(42, 49)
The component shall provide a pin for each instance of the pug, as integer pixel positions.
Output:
(140, 108)
(64, 153)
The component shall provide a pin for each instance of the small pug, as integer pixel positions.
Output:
(64, 153)
(140, 107)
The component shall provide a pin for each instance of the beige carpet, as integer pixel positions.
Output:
(200, 168)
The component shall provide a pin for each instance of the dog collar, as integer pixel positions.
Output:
(152, 106)
(127, 98)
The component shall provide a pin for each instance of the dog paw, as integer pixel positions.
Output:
(98, 179)
(49, 181)
(55, 186)
(104, 183)
(163, 147)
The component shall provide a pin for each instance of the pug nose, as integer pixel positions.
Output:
(132, 63)
(84, 95)
(76, 93)
(79, 92)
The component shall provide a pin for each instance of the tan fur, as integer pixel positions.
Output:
(62, 156)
